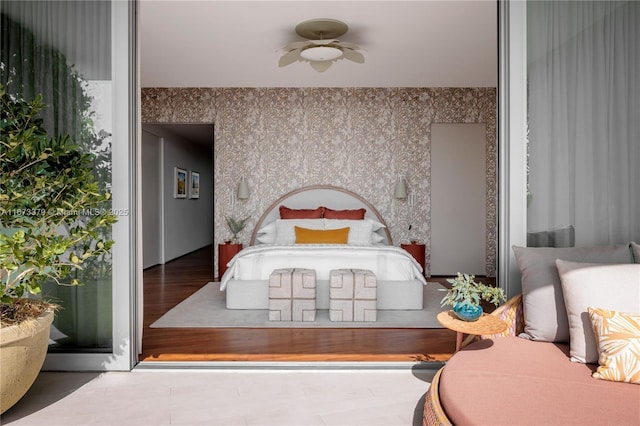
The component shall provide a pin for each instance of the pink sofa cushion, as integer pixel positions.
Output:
(510, 380)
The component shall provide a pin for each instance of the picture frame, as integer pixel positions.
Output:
(194, 185)
(179, 183)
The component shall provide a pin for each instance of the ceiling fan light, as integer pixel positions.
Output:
(321, 53)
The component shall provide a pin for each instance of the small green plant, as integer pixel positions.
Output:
(236, 226)
(466, 291)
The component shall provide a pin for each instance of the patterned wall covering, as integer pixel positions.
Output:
(361, 139)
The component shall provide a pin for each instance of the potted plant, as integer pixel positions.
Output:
(236, 226)
(466, 294)
(52, 214)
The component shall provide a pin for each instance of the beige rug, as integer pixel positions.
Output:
(206, 308)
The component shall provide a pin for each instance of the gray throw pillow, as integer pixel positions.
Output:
(545, 315)
(557, 237)
(635, 247)
(584, 285)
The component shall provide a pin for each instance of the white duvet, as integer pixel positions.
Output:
(389, 263)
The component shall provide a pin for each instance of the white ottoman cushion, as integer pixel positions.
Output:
(292, 295)
(352, 295)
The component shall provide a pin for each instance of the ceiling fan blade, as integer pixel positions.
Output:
(289, 57)
(323, 42)
(320, 66)
(347, 45)
(297, 45)
(352, 55)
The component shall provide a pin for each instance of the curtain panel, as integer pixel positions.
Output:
(584, 121)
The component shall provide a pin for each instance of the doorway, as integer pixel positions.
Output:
(458, 198)
(176, 223)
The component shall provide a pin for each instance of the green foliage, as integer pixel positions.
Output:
(236, 226)
(53, 214)
(465, 290)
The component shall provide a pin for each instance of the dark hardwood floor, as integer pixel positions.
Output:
(167, 285)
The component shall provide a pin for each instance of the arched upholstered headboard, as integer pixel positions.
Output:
(314, 196)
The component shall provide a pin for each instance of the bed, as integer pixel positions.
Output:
(400, 278)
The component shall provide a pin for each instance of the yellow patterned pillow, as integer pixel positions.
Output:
(618, 339)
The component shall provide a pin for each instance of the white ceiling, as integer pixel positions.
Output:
(210, 43)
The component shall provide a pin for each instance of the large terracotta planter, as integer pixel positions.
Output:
(23, 348)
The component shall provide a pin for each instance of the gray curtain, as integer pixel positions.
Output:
(584, 119)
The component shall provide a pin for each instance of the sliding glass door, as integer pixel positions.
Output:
(584, 122)
(76, 55)
(569, 125)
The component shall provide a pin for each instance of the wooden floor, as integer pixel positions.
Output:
(167, 285)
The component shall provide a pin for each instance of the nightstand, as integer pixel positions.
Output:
(225, 254)
(418, 251)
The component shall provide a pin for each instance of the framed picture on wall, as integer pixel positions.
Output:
(179, 183)
(194, 185)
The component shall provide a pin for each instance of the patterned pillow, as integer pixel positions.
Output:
(618, 338)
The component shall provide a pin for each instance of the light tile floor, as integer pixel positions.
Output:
(225, 397)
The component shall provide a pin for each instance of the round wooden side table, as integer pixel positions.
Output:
(486, 324)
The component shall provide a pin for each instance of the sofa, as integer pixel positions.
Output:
(570, 354)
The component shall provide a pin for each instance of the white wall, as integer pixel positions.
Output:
(187, 223)
(152, 253)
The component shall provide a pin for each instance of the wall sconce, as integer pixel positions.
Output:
(401, 189)
(243, 190)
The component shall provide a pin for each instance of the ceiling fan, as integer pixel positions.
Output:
(322, 48)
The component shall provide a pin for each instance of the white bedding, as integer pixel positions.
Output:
(389, 263)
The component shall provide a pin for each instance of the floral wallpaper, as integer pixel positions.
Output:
(362, 139)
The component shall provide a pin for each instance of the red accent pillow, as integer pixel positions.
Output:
(287, 213)
(357, 214)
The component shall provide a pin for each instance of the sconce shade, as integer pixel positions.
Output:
(401, 190)
(243, 190)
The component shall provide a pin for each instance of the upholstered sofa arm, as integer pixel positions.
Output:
(510, 312)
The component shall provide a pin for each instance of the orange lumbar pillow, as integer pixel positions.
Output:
(318, 236)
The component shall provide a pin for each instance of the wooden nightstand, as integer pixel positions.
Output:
(485, 325)
(225, 254)
(418, 251)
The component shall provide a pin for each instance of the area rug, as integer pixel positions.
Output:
(206, 309)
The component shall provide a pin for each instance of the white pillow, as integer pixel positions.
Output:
(609, 286)
(285, 232)
(267, 234)
(375, 225)
(360, 231)
(376, 238)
